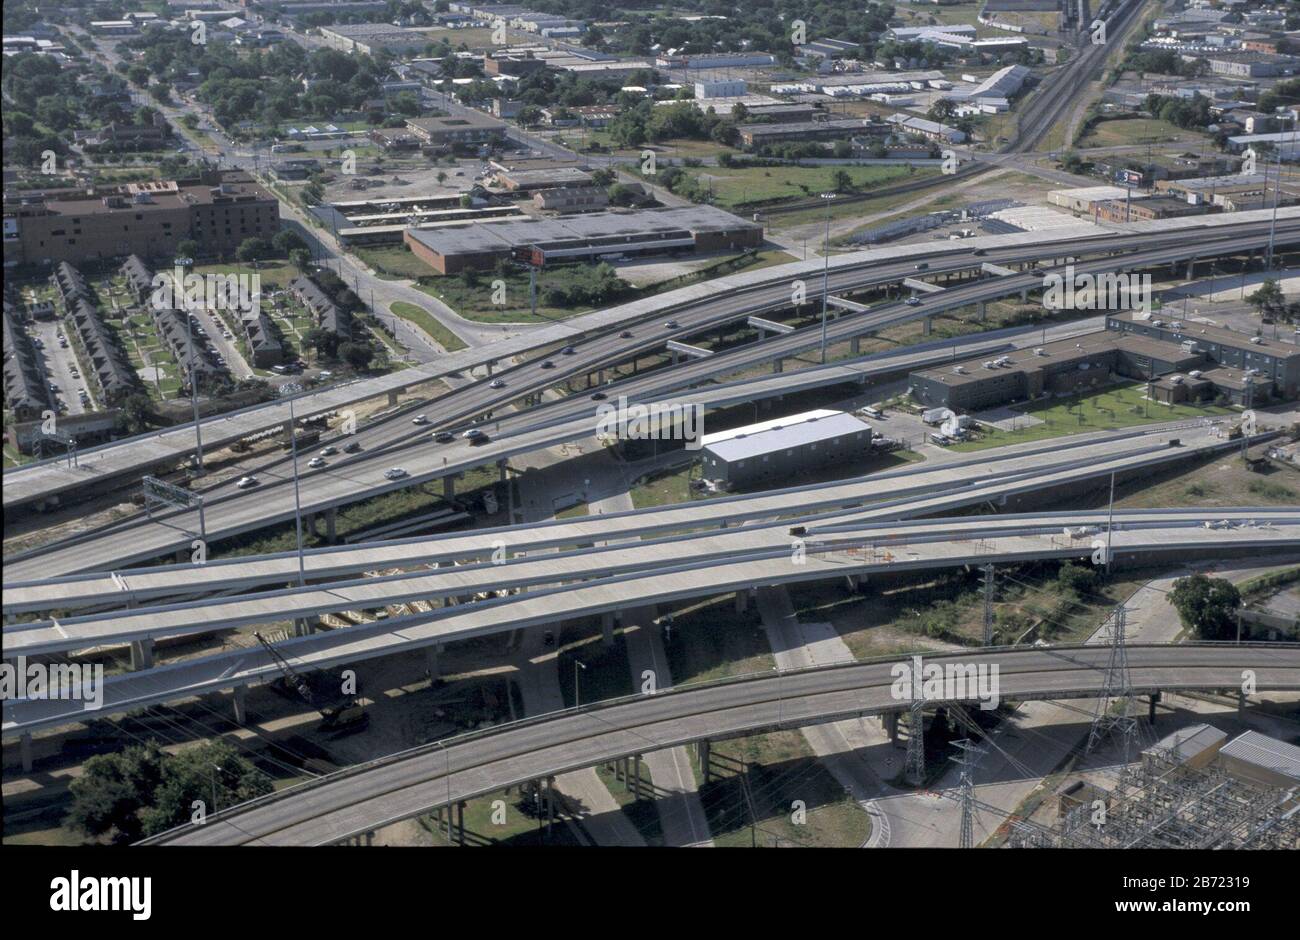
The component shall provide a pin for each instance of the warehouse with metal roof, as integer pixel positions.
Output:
(782, 447)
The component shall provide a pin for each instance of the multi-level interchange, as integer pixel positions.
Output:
(506, 428)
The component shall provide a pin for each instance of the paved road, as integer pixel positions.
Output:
(404, 785)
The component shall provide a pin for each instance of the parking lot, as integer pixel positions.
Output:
(61, 366)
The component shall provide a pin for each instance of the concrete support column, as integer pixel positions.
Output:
(392, 398)
(607, 627)
(854, 344)
(431, 655)
(776, 365)
(501, 471)
(1151, 706)
(1241, 705)
(240, 699)
(331, 524)
(370, 837)
(448, 487)
(705, 758)
(636, 776)
(929, 325)
(982, 306)
(182, 556)
(1024, 296)
(890, 720)
(142, 654)
(1191, 268)
(550, 804)
(460, 823)
(309, 523)
(742, 601)
(25, 751)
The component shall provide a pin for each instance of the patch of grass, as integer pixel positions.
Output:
(430, 324)
(394, 261)
(740, 186)
(1120, 406)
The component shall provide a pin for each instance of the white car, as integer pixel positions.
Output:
(329, 451)
(316, 462)
(420, 419)
(394, 473)
(245, 482)
(473, 433)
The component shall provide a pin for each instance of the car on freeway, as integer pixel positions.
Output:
(352, 447)
(598, 396)
(420, 419)
(394, 473)
(671, 325)
(316, 462)
(496, 383)
(474, 434)
(548, 364)
(626, 334)
(914, 301)
(443, 437)
(979, 252)
(245, 482)
(568, 350)
(329, 451)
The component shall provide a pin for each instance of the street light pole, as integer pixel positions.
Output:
(1277, 197)
(826, 270)
(577, 701)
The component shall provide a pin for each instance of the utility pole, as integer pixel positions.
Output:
(988, 605)
(915, 768)
(826, 269)
(970, 755)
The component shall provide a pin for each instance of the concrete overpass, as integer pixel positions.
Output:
(1043, 538)
(369, 796)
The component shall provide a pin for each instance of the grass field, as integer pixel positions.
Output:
(427, 322)
(1121, 406)
(1136, 130)
(395, 261)
(740, 186)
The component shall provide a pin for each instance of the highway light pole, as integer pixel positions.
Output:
(297, 502)
(826, 269)
(577, 664)
(1277, 196)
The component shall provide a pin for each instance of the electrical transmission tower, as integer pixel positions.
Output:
(969, 758)
(916, 742)
(1117, 687)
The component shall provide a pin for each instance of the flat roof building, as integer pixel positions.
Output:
(782, 447)
(600, 235)
(450, 130)
(1258, 758)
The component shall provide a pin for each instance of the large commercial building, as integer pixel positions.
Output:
(371, 38)
(219, 211)
(456, 129)
(758, 135)
(593, 237)
(782, 447)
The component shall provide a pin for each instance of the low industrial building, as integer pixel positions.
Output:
(1085, 200)
(1144, 210)
(371, 38)
(758, 135)
(1261, 759)
(595, 236)
(571, 199)
(526, 179)
(1194, 746)
(782, 448)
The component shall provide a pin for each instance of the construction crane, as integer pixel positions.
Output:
(342, 711)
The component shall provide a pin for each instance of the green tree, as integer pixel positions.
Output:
(357, 355)
(1207, 606)
(842, 182)
(1268, 300)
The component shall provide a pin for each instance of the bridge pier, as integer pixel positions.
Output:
(1152, 699)
(550, 807)
(855, 344)
(776, 366)
(929, 325)
(607, 628)
(1191, 268)
(449, 488)
(889, 721)
(501, 470)
(141, 654)
(392, 398)
(240, 700)
(1241, 705)
(742, 601)
(705, 758)
(304, 626)
(636, 777)
(982, 306)
(25, 751)
(431, 655)
(331, 524)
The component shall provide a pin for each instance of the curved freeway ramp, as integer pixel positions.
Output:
(370, 796)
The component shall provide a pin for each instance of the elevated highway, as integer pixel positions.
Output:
(367, 797)
(967, 479)
(598, 343)
(876, 551)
